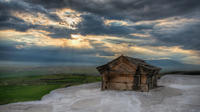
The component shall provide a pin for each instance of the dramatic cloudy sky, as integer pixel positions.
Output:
(94, 31)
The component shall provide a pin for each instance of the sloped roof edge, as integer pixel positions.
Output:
(136, 61)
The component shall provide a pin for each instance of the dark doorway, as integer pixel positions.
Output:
(136, 77)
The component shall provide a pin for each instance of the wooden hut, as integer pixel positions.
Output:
(126, 73)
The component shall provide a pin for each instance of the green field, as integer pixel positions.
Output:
(26, 88)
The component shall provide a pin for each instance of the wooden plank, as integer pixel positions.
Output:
(124, 68)
(143, 79)
(121, 86)
(116, 74)
(122, 79)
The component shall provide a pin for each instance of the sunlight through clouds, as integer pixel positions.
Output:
(116, 22)
(41, 38)
(140, 35)
(102, 29)
(68, 18)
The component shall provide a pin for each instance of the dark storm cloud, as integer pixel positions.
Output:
(8, 21)
(135, 10)
(187, 37)
(143, 27)
(21, 6)
(94, 12)
(9, 52)
(18, 25)
(56, 32)
(127, 9)
(94, 25)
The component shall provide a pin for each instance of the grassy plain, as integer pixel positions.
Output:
(26, 88)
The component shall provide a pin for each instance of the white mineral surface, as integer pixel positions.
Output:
(178, 93)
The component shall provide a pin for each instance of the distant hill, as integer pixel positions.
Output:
(172, 65)
(14, 71)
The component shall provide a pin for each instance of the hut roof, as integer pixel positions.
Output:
(131, 60)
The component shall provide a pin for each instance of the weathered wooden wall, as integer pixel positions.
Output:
(118, 82)
(124, 76)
